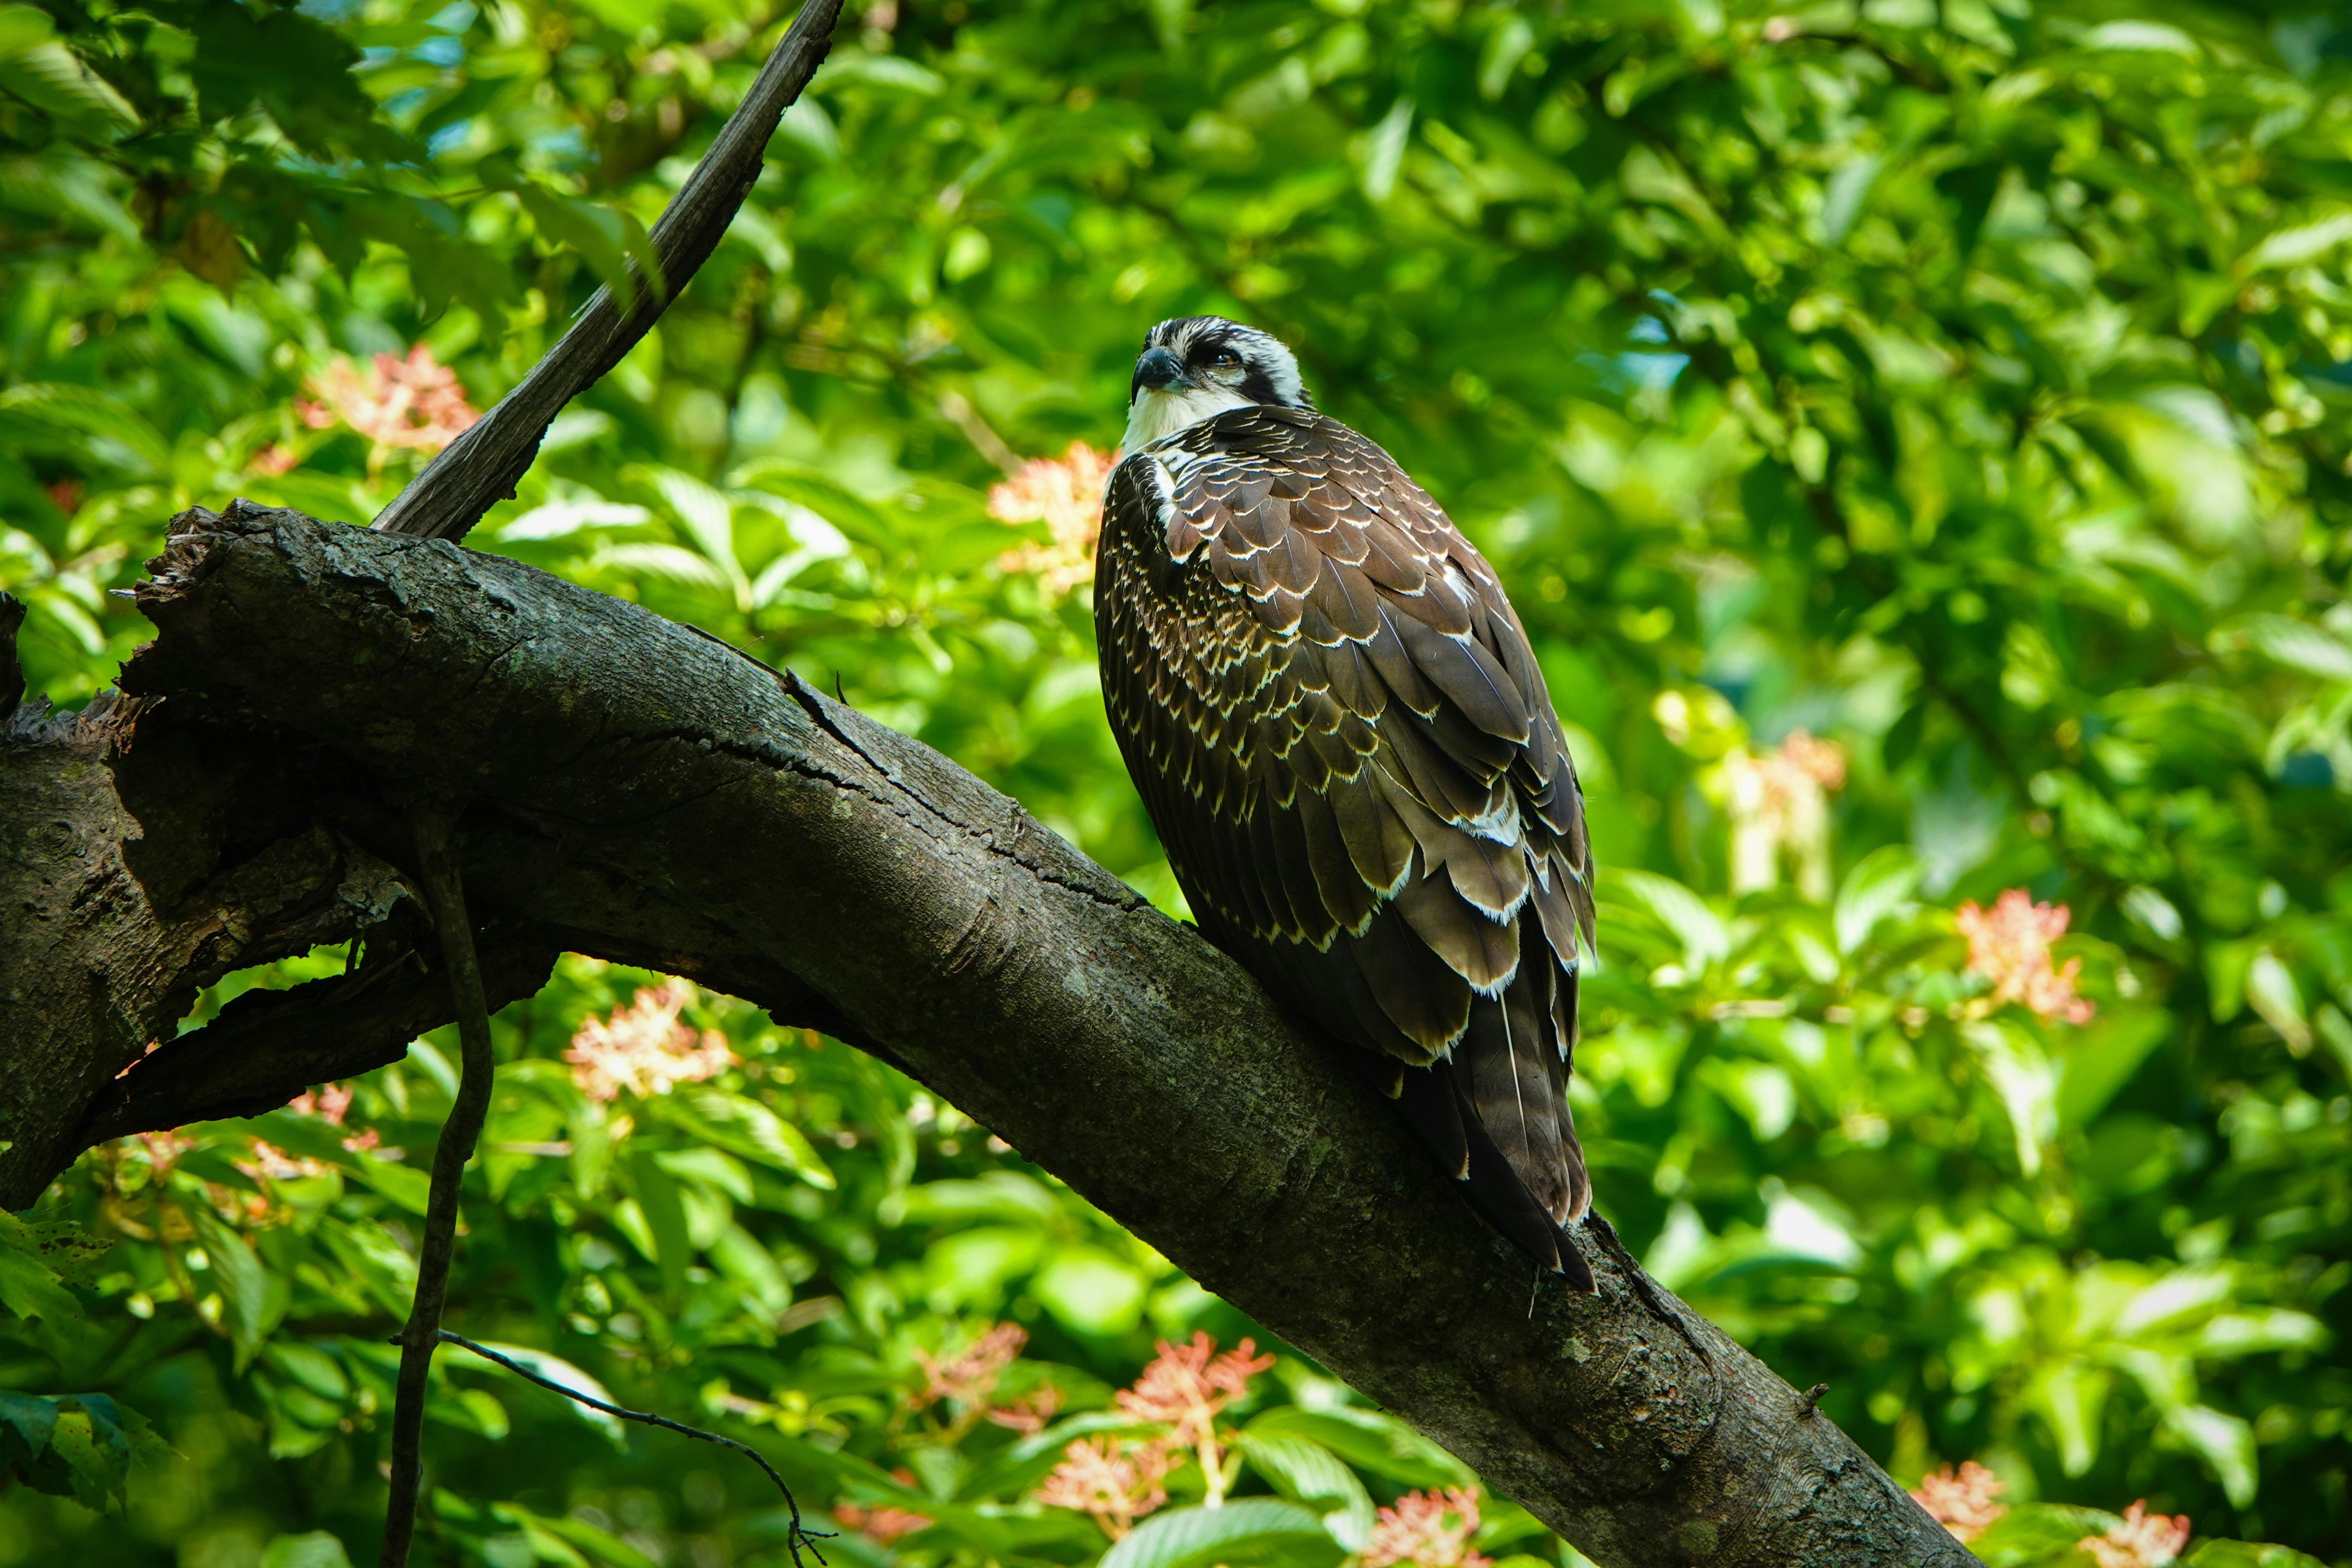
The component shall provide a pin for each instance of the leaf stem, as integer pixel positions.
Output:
(799, 1535)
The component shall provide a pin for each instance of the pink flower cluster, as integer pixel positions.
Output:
(413, 401)
(1429, 1529)
(1116, 1481)
(1185, 1389)
(968, 1379)
(2009, 944)
(1781, 802)
(644, 1048)
(1065, 493)
(1962, 1501)
(1189, 1386)
(882, 1524)
(330, 1103)
(2143, 1539)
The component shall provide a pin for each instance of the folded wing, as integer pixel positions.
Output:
(1338, 724)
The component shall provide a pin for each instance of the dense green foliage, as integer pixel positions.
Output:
(1962, 384)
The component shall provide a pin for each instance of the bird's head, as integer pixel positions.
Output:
(1195, 366)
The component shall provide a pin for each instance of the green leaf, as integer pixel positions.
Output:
(1245, 1529)
(319, 1549)
(1874, 889)
(657, 1196)
(93, 1471)
(712, 1167)
(1901, 739)
(1369, 1440)
(2041, 1535)
(409, 1188)
(998, 1194)
(1307, 1472)
(50, 76)
(2297, 645)
(29, 1287)
(1091, 1291)
(2300, 244)
(2106, 1053)
(2246, 1555)
(25, 1422)
(2025, 1080)
(607, 238)
(1705, 938)
(2224, 1441)
(2270, 990)
(2069, 1397)
(601, 1545)
(250, 1305)
(310, 1366)
(743, 1126)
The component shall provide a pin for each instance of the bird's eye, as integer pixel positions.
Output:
(1224, 357)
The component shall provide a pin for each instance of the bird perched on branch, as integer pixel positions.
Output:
(1335, 719)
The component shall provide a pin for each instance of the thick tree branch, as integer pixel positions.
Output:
(833, 864)
(479, 468)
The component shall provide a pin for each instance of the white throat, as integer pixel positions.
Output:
(1157, 415)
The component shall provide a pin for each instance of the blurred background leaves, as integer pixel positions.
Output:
(1915, 435)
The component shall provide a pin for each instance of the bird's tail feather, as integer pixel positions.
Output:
(1495, 1116)
(1510, 1073)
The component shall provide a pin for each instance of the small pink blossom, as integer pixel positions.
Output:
(1116, 1482)
(2143, 1539)
(1962, 1502)
(1777, 802)
(272, 459)
(1188, 1386)
(269, 1162)
(328, 1103)
(164, 1150)
(2009, 944)
(1029, 1414)
(644, 1048)
(1065, 493)
(968, 1379)
(882, 1524)
(413, 401)
(1430, 1528)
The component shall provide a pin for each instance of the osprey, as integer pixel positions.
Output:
(1335, 721)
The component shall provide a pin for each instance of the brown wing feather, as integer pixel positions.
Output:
(1336, 722)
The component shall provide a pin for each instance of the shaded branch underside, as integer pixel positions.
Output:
(643, 794)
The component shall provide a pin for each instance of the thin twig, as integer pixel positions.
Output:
(798, 1536)
(479, 468)
(1810, 1400)
(444, 891)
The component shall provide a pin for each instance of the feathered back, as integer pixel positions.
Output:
(1335, 721)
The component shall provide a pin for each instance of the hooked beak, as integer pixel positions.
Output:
(1157, 371)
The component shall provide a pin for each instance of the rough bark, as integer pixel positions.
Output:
(642, 791)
